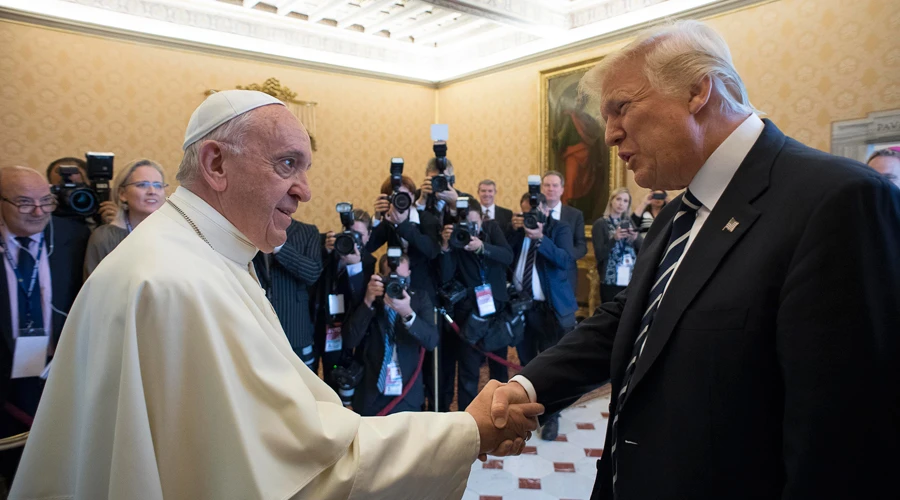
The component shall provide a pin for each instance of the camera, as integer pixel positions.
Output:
(463, 230)
(395, 284)
(533, 217)
(344, 380)
(658, 196)
(451, 293)
(79, 199)
(441, 181)
(402, 201)
(348, 241)
(626, 224)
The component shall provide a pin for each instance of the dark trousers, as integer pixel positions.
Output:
(498, 371)
(24, 394)
(542, 331)
(371, 406)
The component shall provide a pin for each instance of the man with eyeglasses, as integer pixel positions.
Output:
(42, 274)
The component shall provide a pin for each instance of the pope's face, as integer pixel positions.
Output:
(270, 178)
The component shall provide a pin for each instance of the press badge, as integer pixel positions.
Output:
(30, 355)
(335, 304)
(393, 382)
(333, 339)
(623, 271)
(485, 300)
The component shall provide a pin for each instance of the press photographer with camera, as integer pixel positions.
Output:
(340, 289)
(82, 189)
(390, 331)
(140, 189)
(543, 254)
(475, 255)
(438, 193)
(616, 244)
(398, 224)
(649, 208)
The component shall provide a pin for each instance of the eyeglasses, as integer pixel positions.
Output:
(28, 208)
(145, 185)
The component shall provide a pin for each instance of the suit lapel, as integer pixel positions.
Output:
(5, 311)
(713, 243)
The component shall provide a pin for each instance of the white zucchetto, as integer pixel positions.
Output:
(221, 107)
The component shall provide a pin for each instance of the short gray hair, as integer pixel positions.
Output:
(230, 134)
(677, 55)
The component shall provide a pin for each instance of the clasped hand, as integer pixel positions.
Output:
(505, 418)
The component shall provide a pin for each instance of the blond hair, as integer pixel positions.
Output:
(617, 192)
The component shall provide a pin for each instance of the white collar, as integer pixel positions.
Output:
(715, 175)
(222, 235)
(489, 209)
(10, 239)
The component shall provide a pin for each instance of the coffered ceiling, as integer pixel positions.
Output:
(428, 41)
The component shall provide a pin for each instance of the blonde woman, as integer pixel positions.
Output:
(616, 244)
(140, 189)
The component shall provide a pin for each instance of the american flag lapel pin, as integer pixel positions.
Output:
(730, 227)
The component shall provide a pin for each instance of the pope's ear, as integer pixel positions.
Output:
(212, 165)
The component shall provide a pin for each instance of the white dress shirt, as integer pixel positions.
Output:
(489, 212)
(556, 212)
(9, 240)
(708, 185)
(537, 291)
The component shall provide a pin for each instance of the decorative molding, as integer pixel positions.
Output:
(856, 138)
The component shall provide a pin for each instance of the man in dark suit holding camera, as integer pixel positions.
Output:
(761, 323)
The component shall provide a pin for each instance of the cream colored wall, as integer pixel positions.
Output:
(63, 93)
(807, 63)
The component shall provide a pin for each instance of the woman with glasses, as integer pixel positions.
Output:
(140, 189)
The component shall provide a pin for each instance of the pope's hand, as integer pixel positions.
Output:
(520, 419)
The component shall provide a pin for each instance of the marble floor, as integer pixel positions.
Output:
(548, 470)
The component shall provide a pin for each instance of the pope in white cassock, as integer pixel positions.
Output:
(173, 378)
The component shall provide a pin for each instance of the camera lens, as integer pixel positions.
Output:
(439, 184)
(82, 201)
(460, 237)
(530, 221)
(402, 201)
(344, 244)
(394, 290)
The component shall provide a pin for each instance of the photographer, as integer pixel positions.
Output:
(140, 189)
(650, 207)
(341, 287)
(543, 254)
(616, 243)
(390, 329)
(107, 209)
(476, 255)
(442, 203)
(416, 232)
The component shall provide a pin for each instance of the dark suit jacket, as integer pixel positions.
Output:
(553, 260)
(495, 259)
(575, 219)
(503, 216)
(603, 244)
(773, 342)
(365, 331)
(68, 240)
(287, 275)
(424, 246)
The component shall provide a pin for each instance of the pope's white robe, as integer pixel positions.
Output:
(173, 379)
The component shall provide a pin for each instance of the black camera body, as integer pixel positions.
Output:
(400, 200)
(441, 181)
(535, 216)
(451, 293)
(658, 196)
(395, 284)
(344, 380)
(348, 241)
(625, 223)
(79, 199)
(463, 230)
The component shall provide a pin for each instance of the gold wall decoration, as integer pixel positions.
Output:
(305, 111)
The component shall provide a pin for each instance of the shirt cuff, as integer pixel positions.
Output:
(408, 324)
(375, 222)
(277, 249)
(354, 269)
(529, 388)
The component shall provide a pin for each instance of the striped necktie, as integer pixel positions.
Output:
(388, 350)
(678, 240)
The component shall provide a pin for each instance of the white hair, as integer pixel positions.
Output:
(676, 56)
(229, 135)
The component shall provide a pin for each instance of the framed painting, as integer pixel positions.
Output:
(572, 143)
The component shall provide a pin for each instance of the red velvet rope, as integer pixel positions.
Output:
(490, 355)
(18, 414)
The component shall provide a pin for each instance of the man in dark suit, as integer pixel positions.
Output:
(761, 324)
(541, 271)
(552, 186)
(392, 334)
(487, 191)
(341, 289)
(483, 261)
(286, 275)
(40, 277)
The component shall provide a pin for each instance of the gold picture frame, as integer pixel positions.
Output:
(559, 99)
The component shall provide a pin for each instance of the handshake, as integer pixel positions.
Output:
(505, 418)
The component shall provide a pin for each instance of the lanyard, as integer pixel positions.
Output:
(34, 272)
(128, 224)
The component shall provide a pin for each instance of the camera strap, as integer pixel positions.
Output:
(34, 272)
